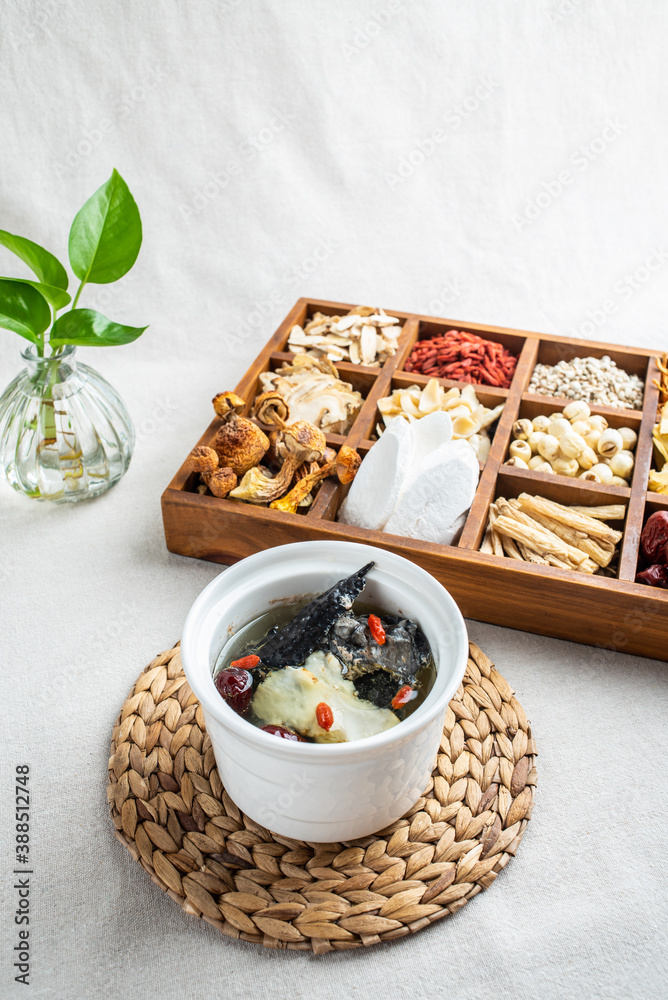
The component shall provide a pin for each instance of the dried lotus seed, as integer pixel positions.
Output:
(622, 464)
(580, 427)
(587, 458)
(566, 466)
(629, 437)
(599, 473)
(559, 427)
(541, 423)
(571, 444)
(577, 410)
(609, 443)
(534, 440)
(598, 423)
(517, 463)
(592, 437)
(618, 481)
(522, 429)
(535, 461)
(520, 449)
(548, 447)
(544, 467)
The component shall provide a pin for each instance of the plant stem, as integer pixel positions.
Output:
(76, 297)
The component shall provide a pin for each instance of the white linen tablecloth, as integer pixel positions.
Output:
(496, 162)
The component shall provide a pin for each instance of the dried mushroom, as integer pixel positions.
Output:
(313, 391)
(270, 407)
(298, 443)
(246, 464)
(225, 403)
(239, 443)
(347, 464)
(292, 500)
(301, 440)
(257, 487)
(203, 460)
(221, 482)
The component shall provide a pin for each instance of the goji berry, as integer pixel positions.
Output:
(246, 662)
(403, 696)
(324, 716)
(377, 630)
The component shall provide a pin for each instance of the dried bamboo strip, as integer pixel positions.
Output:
(605, 512)
(572, 519)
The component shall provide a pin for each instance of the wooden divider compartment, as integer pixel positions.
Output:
(600, 611)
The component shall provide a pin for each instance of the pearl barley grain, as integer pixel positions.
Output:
(591, 380)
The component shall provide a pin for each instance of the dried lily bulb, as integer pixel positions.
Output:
(270, 408)
(347, 464)
(221, 482)
(203, 460)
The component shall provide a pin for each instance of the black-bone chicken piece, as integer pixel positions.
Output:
(404, 652)
(309, 628)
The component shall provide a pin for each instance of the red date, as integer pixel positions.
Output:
(655, 576)
(654, 538)
(236, 687)
(283, 733)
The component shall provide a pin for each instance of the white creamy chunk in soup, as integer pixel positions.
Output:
(289, 697)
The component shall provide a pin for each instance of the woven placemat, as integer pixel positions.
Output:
(174, 816)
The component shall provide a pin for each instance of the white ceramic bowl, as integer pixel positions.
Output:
(323, 792)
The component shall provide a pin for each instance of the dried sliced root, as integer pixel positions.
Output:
(365, 336)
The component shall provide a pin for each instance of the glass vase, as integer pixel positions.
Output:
(65, 434)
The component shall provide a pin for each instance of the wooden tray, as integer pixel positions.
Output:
(611, 613)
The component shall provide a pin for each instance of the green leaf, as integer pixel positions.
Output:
(47, 267)
(23, 309)
(56, 296)
(106, 234)
(89, 328)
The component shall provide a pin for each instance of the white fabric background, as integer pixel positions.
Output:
(171, 94)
